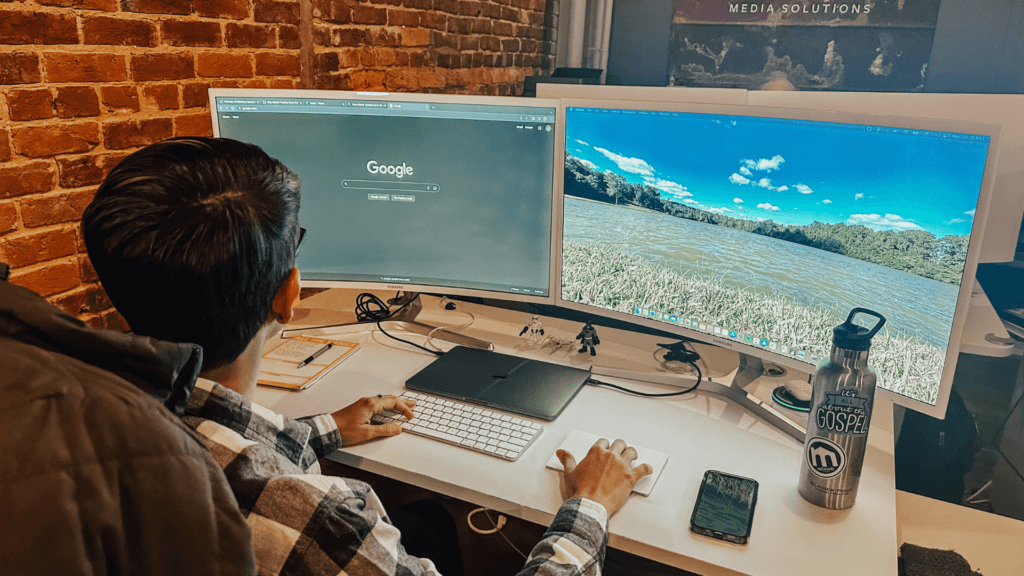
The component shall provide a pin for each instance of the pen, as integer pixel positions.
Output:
(316, 354)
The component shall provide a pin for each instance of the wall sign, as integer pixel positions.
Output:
(869, 45)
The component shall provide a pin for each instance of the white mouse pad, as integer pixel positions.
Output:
(578, 443)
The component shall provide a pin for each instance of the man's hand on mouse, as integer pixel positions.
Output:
(354, 421)
(604, 476)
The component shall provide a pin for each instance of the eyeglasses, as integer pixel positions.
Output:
(302, 236)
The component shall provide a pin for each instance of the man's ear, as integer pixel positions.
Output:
(287, 298)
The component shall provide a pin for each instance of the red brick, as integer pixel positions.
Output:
(288, 37)
(157, 6)
(419, 4)
(333, 11)
(77, 102)
(85, 300)
(193, 125)
(434, 20)
(31, 104)
(35, 247)
(388, 37)
(406, 18)
(349, 37)
(362, 14)
(194, 95)
(84, 170)
(415, 37)
(130, 134)
(469, 43)
(222, 65)
(111, 31)
(372, 80)
(50, 209)
(19, 68)
(179, 33)
(325, 62)
(105, 5)
(491, 11)
(470, 8)
(5, 146)
(276, 12)
(112, 320)
(270, 64)
(348, 58)
(162, 67)
(120, 98)
(249, 36)
(236, 9)
(481, 26)
(332, 82)
(161, 96)
(449, 6)
(502, 29)
(86, 270)
(38, 28)
(8, 217)
(509, 45)
(43, 141)
(26, 179)
(50, 279)
(87, 67)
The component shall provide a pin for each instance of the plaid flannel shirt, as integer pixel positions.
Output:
(306, 523)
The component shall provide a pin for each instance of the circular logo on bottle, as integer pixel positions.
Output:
(825, 458)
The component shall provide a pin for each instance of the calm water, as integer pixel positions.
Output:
(912, 305)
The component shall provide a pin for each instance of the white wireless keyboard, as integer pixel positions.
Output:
(466, 426)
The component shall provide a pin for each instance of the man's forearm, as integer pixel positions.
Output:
(574, 544)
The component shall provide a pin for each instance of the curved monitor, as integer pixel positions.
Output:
(411, 192)
(759, 229)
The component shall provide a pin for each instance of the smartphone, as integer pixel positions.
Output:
(725, 507)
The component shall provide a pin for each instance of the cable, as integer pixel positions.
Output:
(451, 327)
(700, 376)
(497, 528)
(369, 308)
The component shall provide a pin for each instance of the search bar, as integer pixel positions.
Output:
(390, 185)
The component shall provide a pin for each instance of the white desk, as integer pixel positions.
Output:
(699, 432)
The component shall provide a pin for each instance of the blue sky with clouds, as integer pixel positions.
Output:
(790, 173)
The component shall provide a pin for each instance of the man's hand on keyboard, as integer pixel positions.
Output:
(354, 422)
(604, 476)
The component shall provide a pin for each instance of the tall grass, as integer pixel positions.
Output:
(605, 277)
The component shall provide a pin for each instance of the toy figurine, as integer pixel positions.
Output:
(535, 330)
(588, 337)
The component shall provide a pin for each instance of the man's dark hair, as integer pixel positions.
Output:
(192, 238)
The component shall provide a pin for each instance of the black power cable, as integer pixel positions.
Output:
(370, 308)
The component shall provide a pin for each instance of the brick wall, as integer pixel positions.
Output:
(83, 83)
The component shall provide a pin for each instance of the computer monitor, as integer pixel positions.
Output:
(759, 229)
(410, 192)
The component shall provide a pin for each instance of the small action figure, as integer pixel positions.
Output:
(535, 330)
(588, 337)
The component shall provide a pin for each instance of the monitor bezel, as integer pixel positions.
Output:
(967, 283)
(556, 176)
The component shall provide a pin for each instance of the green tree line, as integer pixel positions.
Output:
(913, 251)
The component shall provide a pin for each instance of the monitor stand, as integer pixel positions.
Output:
(406, 320)
(750, 368)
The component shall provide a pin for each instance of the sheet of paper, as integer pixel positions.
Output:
(280, 366)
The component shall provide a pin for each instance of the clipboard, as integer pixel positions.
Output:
(279, 367)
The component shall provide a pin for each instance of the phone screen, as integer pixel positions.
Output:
(725, 507)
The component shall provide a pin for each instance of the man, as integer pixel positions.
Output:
(194, 240)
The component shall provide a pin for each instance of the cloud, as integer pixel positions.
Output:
(887, 222)
(691, 201)
(765, 183)
(738, 200)
(626, 164)
(858, 196)
(826, 201)
(782, 188)
(737, 179)
(764, 164)
(956, 221)
(587, 163)
(969, 212)
(767, 206)
(719, 210)
(745, 171)
(673, 189)
(803, 188)
(582, 142)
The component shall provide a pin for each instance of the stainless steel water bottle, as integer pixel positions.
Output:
(837, 425)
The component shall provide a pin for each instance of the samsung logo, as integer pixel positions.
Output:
(395, 287)
(722, 343)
